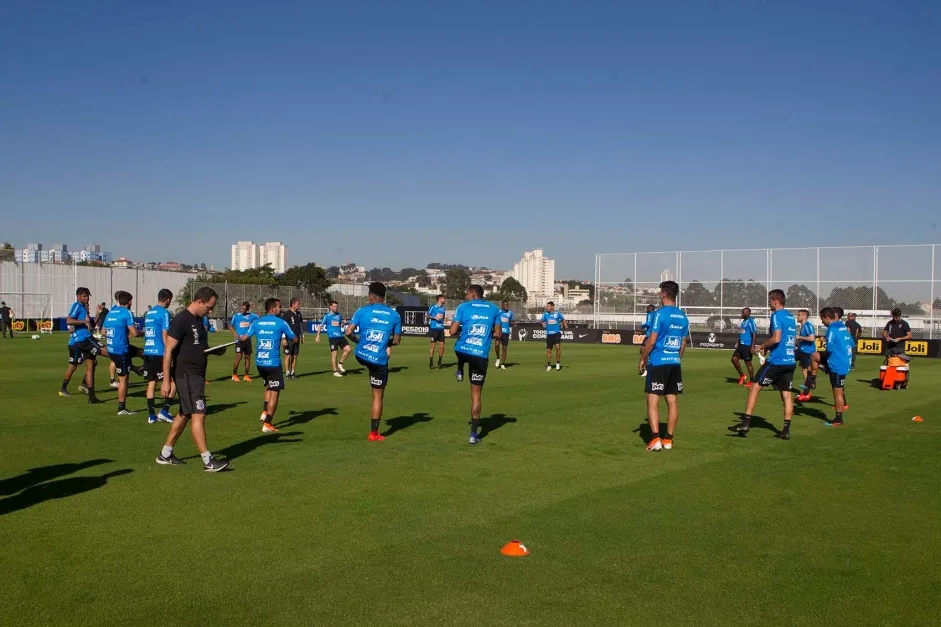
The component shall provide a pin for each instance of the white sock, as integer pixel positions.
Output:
(167, 451)
(207, 457)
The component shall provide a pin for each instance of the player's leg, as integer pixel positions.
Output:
(653, 420)
(496, 353)
(558, 353)
(122, 369)
(431, 353)
(788, 400)
(67, 377)
(760, 381)
(347, 349)
(738, 368)
(504, 343)
(235, 364)
(271, 407)
(91, 366)
(112, 377)
(476, 405)
(441, 348)
(461, 360)
(748, 365)
(247, 359)
(151, 399)
(839, 398)
(673, 415)
(333, 359)
(548, 354)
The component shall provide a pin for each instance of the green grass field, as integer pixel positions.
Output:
(315, 525)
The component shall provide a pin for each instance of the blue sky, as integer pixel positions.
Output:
(398, 133)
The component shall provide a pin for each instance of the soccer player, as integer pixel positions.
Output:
(295, 320)
(435, 317)
(839, 359)
(6, 320)
(856, 332)
(778, 369)
(478, 322)
(807, 355)
(380, 328)
(553, 322)
(83, 348)
(748, 332)
(506, 328)
(100, 324)
(664, 349)
(333, 323)
(645, 327)
(240, 324)
(156, 326)
(184, 361)
(270, 329)
(118, 328)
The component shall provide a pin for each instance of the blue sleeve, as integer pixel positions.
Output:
(831, 336)
(545, 316)
(252, 330)
(73, 312)
(354, 321)
(561, 317)
(130, 318)
(232, 321)
(654, 326)
(286, 329)
(512, 316)
(774, 323)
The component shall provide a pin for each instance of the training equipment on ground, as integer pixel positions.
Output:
(893, 375)
(514, 548)
(918, 419)
(36, 337)
(220, 348)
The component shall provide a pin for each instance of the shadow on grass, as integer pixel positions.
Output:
(757, 422)
(732, 380)
(234, 451)
(315, 373)
(57, 489)
(445, 366)
(302, 418)
(809, 411)
(398, 368)
(492, 423)
(404, 422)
(221, 407)
(34, 476)
(645, 433)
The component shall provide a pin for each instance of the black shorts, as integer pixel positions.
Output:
(293, 348)
(664, 380)
(780, 377)
(191, 390)
(804, 359)
(273, 377)
(378, 375)
(477, 367)
(243, 348)
(338, 344)
(86, 349)
(553, 340)
(436, 335)
(743, 352)
(122, 364)
(504, 338)
(837, 380)
(153, 368)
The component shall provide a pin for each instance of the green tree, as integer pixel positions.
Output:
(333, 272)
(513, 290)
(858, 298)
(456, 282)
(309, 277)
(406, 273)
(382, 274)
(911, 309)
(7, 252)
(696, 295)
(801, 296)
(936, 305)
(739, 293)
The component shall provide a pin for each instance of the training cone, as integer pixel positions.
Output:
(514, 548)
(918, 419)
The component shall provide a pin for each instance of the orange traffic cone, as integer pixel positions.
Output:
(918, 419)
(514, 548)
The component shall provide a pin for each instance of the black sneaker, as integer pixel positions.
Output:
(171, 460)
(431, 366)
(740, 429)
(94, 400)
(837, 422)
(215, 465)
(784, 435)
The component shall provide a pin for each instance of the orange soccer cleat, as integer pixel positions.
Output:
(375, 437)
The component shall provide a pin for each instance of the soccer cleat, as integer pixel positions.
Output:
(473, 439)
(655, 445)
(215, 465)
(748, 384)
(803, 397)
(63, 392)
(342, 369)
(502, 366)
(164, 417)
(152, 419)
(497, 363)
(171, 460)
(459, 376)
(837, 422)
(337, 373)
(113, 384)
(94, 400)
(784, 435)
(431, 366)
(644, 373)
(846, 407)
(267, 427)
(548, 368)
(741, 379)
(740, 429)
(83, 389)
(375, 437)
(235, 378)
(126, 412)
(558, 367)
(667, 443)
(247, 378)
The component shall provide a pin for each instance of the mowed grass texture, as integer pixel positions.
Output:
(317, 526)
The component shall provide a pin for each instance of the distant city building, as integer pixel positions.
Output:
(248, 255)
(666, 275)
(537, 274)
(123, 262)
(59, 253)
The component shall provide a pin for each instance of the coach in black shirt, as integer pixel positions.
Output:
(895, 334)
(6, 320)
(292, 315)
(856, 332)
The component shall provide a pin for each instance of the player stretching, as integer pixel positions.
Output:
(506, 328)
(553, 322)
(778, 369)
(645, 327)
(435, 317)
(118, 327)
(664, 349)
(333, 323)
(295, 320)
(184, 361)
(380, 328)
(838, 312)
(839, 358)
(156, 325)
(478, 322)
(270, 329)
(83, 348)
(241, 323)
(807, 355)
(748, 332)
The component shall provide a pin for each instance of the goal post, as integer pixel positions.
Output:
(32, 311)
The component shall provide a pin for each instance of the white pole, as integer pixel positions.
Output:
(931, 298)
(875, 287)
(721, 284)
(818, 280)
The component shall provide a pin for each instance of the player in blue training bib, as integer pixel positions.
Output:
(83, 347)
(156, 325)
(119, 327)
(747, 334)
(270, 330)
(839, 358)
(553, 322)
(332, 325)
(778, 370)
(660, 358)
(476, 322)
(807, 356)
(240, 324)
(435, 317)
(506, 330)
(379, 328)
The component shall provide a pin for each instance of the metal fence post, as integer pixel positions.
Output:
(931, 297)
(875, 287)
(818, 280)
(722, 284)
(679, 278)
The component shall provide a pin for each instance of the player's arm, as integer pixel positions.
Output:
(683, 345)
(75, 322)
(350, 331)
(807, 338)
(774, 340)
(235, 333)
(565, 324)
(907, 336)
(648, 347)
(497, 329)
(885, 333)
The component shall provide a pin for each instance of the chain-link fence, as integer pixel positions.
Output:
(715, 285)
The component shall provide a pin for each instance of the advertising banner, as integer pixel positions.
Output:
(534, 332)
(31, 325)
